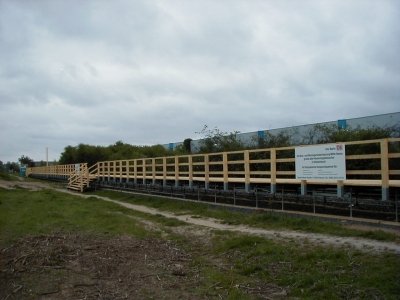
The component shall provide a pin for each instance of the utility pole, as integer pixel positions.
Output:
(47, 156)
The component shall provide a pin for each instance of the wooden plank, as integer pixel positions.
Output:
(158, 167)
(363, 172)
(260, 161)
(206, 169)
(385, 163)
(286, 172)
(273, 166)
(394, 183)
(176, 168)
(237, 173)
(363, 156)
(285, 160)
(260, 173)
(236, 162)
(225, 167)
(213, 163)
(190, 168)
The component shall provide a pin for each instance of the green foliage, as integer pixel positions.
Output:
(119, 150)
(215, 140)
(5, 176)
(267, 220)
(24, 212)
(187, 145)
(321, 134)
(10, 167)
(25, 160)
(282, 139)
(311, 271)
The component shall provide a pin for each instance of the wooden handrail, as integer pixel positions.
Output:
(246, 165)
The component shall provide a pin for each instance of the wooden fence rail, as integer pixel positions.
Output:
(372, 163)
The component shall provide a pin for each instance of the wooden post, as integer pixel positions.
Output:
(164, 171)
(385, 169)
(273, 170)
(108, 166)
(225, 169)
(153, 170)
(190, 166)
(135, 171)
(176, 171)
(247, 170)
(127, 170)
(121, 163)
(206, 171)
(144, 171)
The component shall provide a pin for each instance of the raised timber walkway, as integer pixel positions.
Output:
(371, 164)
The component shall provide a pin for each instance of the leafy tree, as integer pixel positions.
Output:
(216, 140)
(83, 153)
(12, 167)
(187, 145)
(25, 160)
(321, 134)
(282, 139)
(118, 151)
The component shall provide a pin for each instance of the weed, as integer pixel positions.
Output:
(312, 272)
(25, 212)
(6, 176)
(264, 219)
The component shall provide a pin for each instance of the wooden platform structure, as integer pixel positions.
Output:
(371, 163)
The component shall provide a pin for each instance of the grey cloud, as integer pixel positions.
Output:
(155, 72)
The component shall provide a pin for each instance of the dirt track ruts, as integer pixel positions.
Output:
(365, 245)
(362, 244)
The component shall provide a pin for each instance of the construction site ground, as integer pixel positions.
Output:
(64, 265)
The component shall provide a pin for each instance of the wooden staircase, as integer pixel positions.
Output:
(81, 178)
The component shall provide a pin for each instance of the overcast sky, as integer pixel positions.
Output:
(149, 72)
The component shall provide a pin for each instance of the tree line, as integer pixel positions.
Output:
(215, 140)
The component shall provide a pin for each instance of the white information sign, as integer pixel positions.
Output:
(321, 162)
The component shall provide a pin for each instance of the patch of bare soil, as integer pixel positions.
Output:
(362, 244)
(77, 266)
(29, 185)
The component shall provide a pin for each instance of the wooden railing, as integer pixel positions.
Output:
(76, 174)
(368, 163)
(61, 171)
(79, 179)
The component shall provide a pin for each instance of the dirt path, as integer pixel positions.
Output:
(21, 183)
(362, 244)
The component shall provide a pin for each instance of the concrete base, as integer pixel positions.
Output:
(206, 185)
(273, 188)
(385, 194)
(247, 187)
(226, 186)
(340, 191)
(303, 188)
(190, 184)
(176, 183)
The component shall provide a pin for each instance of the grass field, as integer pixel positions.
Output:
(222, 264)
(260, 219)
